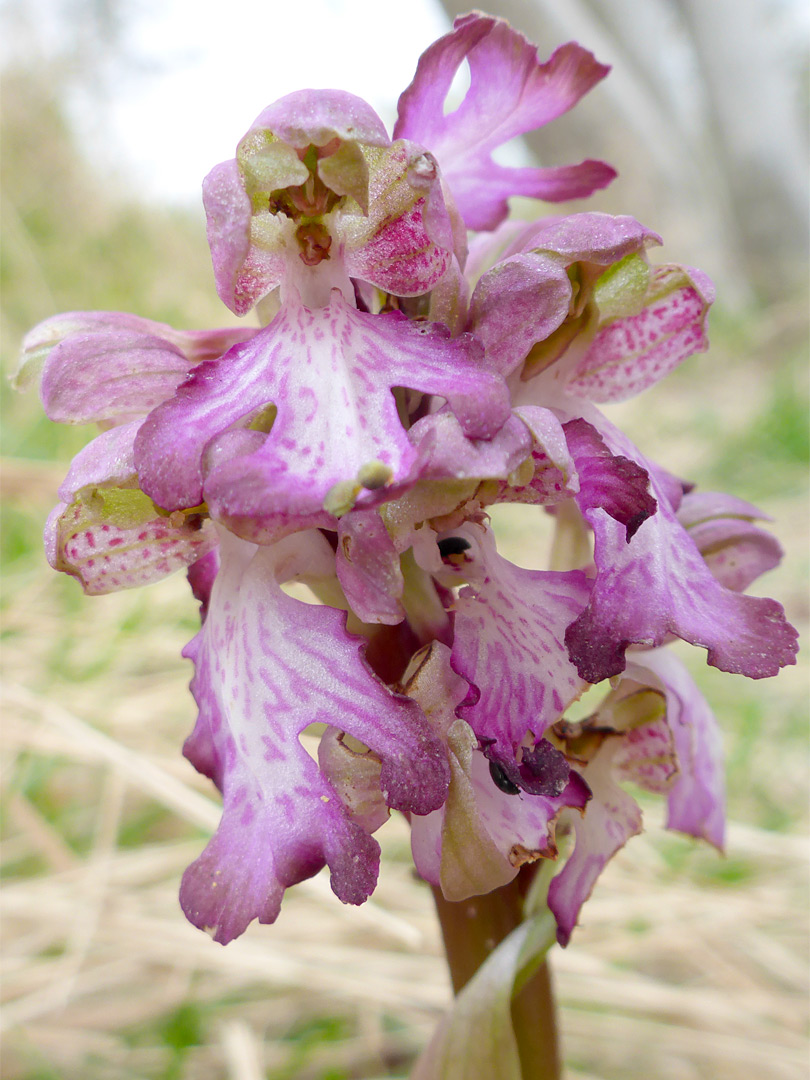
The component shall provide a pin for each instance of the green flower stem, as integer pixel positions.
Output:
(472, 929)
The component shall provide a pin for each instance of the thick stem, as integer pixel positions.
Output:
(472, 929)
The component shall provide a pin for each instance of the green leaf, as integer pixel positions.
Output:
(477, 1041)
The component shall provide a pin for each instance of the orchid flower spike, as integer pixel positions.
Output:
(421, 358)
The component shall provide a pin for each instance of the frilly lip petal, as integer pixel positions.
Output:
(328, 374)
(653, 729)
(510, 93)
(266, 667)
(610, 819)
(659, 584)
(696, 799)
(508, 643)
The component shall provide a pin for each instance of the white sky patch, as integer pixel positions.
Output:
(198, 74)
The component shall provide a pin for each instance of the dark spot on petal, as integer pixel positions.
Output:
(453, 545)
(501, 780)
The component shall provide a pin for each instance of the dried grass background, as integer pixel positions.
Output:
(686, 966)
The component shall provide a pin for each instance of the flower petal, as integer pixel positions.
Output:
(632, 353)
(446, 453)
(316, 117)
(404, 243)
(479, 839)
(243, 273)
(520, 301)
(510, 93)
(610, 819)
(696, 800)
(368, 568)
(538, 297)
(658, 584)
(119, 377)
(735, 550)
(267, 666)
(609, 481)
(100, 366)
(549, 476)
(509, 626)
(107, 534)
(329, 374)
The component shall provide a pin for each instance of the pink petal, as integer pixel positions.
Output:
(481, 836)
(106, 366)
(696, 800)
(659, 584)
(609, 481)
(520, 301)
(446, 453)
(510, 93)
(404, 243)
(330, 373)
(610, 819)
(553, 477)
(509, 627)
(243, 274)
(527, 295)
(368, 568)
(735, 550)
(109, 535)
(316, 117)
(266, 667)
(632, 353)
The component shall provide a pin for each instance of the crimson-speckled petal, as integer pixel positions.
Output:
(552, 476)
(630, 354)
(107, 534)
(404, 243)
(528, 294)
